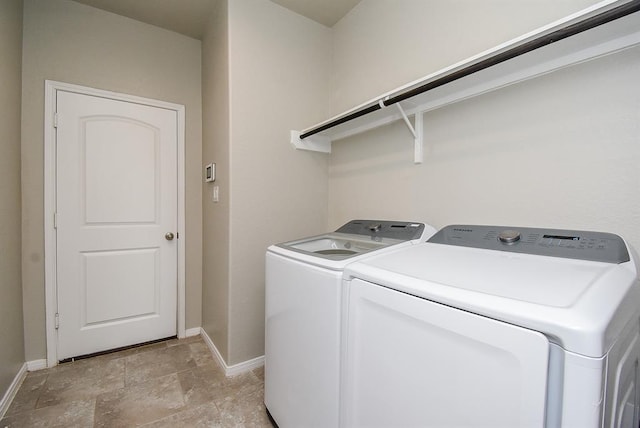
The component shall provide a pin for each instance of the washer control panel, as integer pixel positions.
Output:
(570, 244)
(377, 229)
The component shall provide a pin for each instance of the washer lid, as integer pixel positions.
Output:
(338, 246)
(581, 305)
(357, 237)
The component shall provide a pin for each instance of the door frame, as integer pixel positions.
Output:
(50, 244)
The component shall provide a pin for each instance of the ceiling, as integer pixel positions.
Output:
(189, 17)
(326, 12)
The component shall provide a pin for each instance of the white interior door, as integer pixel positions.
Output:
(116, 189)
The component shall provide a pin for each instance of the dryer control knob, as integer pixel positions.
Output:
(509, 236)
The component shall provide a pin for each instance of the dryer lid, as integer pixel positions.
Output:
(579, 304)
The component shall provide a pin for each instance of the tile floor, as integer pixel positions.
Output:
(176, 383)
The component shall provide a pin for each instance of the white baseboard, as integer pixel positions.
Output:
(213, 349)
(13, 390)
(34, 365)
(192, 332)
(235, 369)
(244, 366)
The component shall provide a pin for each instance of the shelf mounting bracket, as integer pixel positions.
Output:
(417, 132)
(315, 143)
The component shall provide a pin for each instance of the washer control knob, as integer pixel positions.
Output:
(375, 227)
(509, 236)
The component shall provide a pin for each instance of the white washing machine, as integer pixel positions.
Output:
(492, 327)
(303, 311)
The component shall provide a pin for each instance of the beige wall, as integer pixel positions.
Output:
(11, 323)
(73, 43)
(215, 148)
(280, 68)
(560, 151)
(381, 45)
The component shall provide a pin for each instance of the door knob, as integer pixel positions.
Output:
(168, 236)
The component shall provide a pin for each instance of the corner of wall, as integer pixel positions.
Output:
(215, 149)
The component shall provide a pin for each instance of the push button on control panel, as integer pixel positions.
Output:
(509, 236)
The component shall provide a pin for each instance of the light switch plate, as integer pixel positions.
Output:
(210, 173)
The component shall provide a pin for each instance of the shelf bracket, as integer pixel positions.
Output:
(418, 142)
(315, 143)
(417, 132)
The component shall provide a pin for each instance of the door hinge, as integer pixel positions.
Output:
(55, 220)
(55, 119)
(57, 321)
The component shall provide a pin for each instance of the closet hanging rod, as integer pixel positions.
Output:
(356, 114)
(547, 39)
(563, 33)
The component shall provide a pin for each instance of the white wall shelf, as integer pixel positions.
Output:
(488, 71)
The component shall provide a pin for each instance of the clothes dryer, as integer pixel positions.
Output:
(486, 326)
(303, 305)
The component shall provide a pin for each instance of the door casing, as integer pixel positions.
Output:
(51, 87)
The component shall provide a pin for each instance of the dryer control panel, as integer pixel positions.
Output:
(570, 244)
